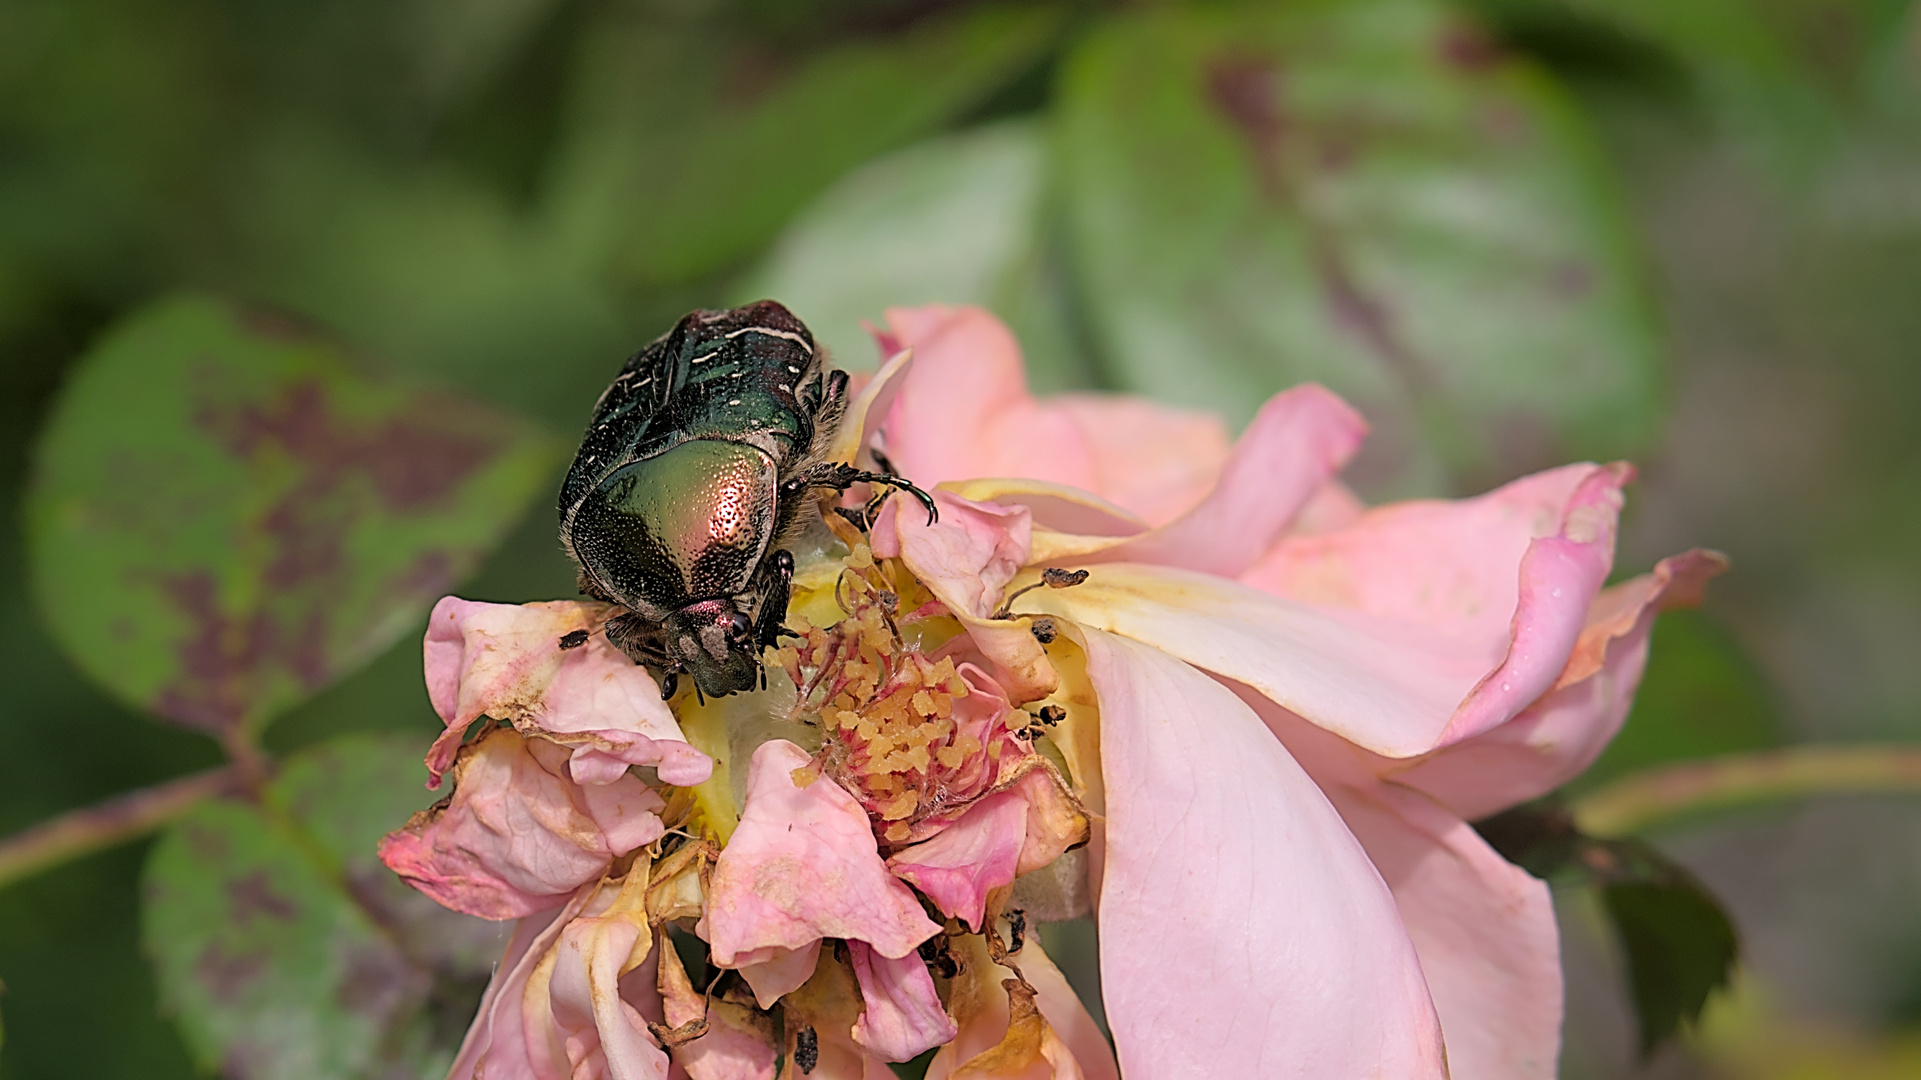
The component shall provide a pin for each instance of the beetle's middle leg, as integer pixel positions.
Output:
(840, 477)
(774, 585)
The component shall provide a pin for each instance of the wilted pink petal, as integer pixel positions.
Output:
(505, 661)
(802, 865)
(967, 557)
(903, 1017)
(1297, 441)
(497, 1038)
(519, 835)
(964, 411)
(772, 971)
(1069, 1046)
(973, 856)
(1243, 930)
(831, 1004)
(738, 1045)
(603, 1036)
(1483, 928)
(1560, 735)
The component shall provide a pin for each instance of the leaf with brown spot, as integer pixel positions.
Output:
(1370, 195)
(228, 515)
(284, 949)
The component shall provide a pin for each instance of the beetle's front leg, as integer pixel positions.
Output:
(774, 585)
(840, 477)
(639, 640)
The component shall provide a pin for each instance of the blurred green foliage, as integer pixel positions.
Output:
(1440, 209)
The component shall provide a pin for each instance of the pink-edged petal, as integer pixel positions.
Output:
(1243, 930)
(903, 1015)
(1483, 928)
(505, 661)
(1561, 734)
(1297, 441)
(970, 858)
(497, 1037)
(773, 972)
(1507, 576)
(964, 411)
(518, 834)
(802, 866)
(738, 1045)
(1069, 1046)
(871, 404)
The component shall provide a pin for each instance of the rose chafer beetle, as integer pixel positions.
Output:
(695, 471)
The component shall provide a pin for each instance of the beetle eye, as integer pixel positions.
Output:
(741, 626)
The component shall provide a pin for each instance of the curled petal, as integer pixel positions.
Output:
(964, 411)
(518, 834)
(1008, 1032)
(1561, 734)
(970, 858)
(771, 971)
(1298, 440)
(603, 1035)
(830, 1005)
(903, 1015)
(870, 407)
(496, 1042)
(1244, 932)
(505, 661)
(738, 1043)
(967, 557)
(1507, 577)
(802, 866)
(966, 560)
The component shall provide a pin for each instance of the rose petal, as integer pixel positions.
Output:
(903, 1017)
(964, 411)
(518, 834)
(870, 407)
(1559, 736)
(1508, 576)
(738, 1044)
(497, 1037)
(604, 1036)
(505, 661)
(964, 862)
(1068, 1046)
(831, 1005)
(1243, 930)
(771, 971)
(1483, 928)
(1298, 440)
(802, 866)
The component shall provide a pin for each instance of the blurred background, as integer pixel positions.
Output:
(1513, 232)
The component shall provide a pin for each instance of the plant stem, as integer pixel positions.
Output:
(1642, 799)
(117, 820)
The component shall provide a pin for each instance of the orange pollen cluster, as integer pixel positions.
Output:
(885, 709)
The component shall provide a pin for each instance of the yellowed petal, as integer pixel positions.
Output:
(872, 404)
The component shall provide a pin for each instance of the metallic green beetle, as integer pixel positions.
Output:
(693, 473)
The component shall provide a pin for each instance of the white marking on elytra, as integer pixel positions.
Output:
(736, 401)
(793, 337)
(793, 370)
(704, 357)
(787, 388)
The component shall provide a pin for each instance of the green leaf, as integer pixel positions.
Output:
(1702, 696)
(227, 516)
(1370, 195)
(698, 149)
(1678, 941)
(955, 219)
(276, 951)
(1680, 948)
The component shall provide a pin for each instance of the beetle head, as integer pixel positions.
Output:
(714, 642)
